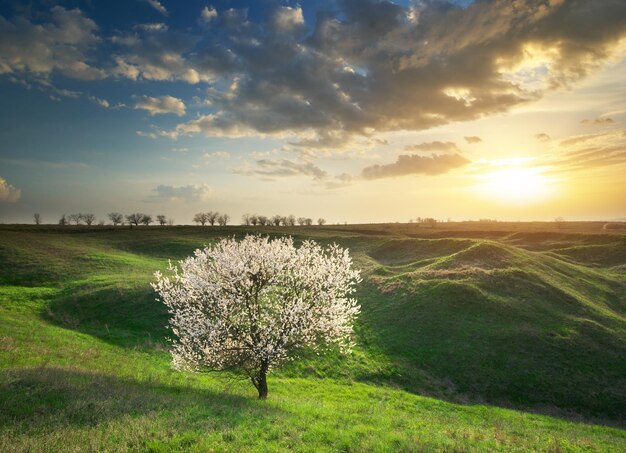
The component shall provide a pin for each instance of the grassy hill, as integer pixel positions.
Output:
(471, 338)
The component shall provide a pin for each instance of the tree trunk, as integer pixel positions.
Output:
(262, 387)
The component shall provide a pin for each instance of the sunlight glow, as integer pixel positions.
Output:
(515, 184)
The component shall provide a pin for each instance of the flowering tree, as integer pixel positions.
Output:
(250, 305)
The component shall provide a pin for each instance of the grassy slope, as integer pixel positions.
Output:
(532, 321)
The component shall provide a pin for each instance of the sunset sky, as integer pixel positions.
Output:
(355, 110)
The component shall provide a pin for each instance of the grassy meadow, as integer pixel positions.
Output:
(472, 337)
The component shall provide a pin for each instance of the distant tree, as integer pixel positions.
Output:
(37, 218)
(248, 306)
(245, 219)
(321, 221)
(308, 221)
(301, 221)
(88, 218)
(162, 219)
(431, 222)
(222, 220)
(211, 217)
(254, 219)
(290, 220)
(559, 221)
(134, 218)
(170, 221)
(116, 218)
(63, 220)
(146, 219)
(76, 218)
(263, 220)
(277, 220)
(200, 218)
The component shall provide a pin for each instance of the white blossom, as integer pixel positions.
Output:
(253, 304)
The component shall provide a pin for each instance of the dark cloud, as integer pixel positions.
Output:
(473, 139)
(367, 66)
(379, 66)
(64, 44)
(413, 164)
(433, 146)
(542, 137)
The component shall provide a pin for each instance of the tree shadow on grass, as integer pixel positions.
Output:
(42, 399)
(120, 315)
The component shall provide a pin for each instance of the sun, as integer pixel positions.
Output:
(516, 184)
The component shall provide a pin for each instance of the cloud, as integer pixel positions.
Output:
(287, 19)
(342, 180)
(601, 121)
(433, 146)
(63, 44)
(156, 4)
(542, 137)
(101, 102)
(414, 164)
(473, 139)
(208, 14)
(161, 105)
(8, 193)
(375, 66)
(216, 154)
(579, 139)
(186, 194)
(586, 152)
(285, 168)
(154, 27)
(162, 56)
(365, 67)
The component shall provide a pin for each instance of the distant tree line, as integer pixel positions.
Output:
(116, 218)
(278, 220)
(428, 221)
(211, 218)
(201, 218)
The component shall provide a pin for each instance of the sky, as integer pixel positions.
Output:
(352, 110)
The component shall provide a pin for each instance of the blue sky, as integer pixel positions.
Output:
(351, 110)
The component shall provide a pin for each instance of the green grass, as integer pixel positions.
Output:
(499, 341)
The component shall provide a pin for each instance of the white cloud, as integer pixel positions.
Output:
(8, 193)
(207, 14)
(156, 4)
(101, 102)
(161, 105)
(155, 27)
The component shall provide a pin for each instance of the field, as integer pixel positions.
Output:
(498, 337)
